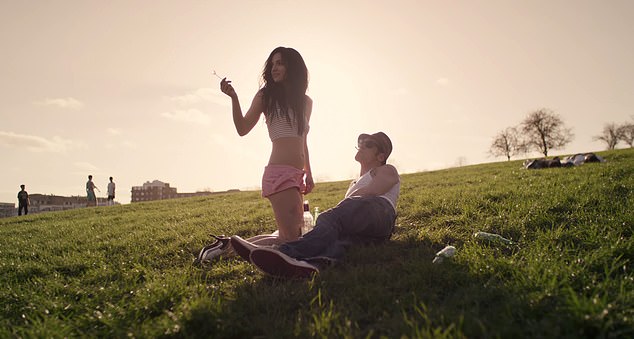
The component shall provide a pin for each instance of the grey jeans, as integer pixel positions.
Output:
(355, 220)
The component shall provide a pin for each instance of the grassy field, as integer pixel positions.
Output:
(126, 271)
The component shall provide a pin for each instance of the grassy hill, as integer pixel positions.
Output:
(126, 271)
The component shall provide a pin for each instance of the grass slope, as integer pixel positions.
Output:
(127, 270)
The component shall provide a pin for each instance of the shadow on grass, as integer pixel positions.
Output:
(387, 290)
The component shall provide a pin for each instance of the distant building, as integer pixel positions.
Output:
(155, 190)
(158, 190)
(7, 210)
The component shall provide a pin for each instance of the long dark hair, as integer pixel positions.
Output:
(289, 94)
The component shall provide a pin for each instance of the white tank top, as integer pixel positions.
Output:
(391, 195)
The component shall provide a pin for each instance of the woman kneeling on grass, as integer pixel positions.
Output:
(287, 109)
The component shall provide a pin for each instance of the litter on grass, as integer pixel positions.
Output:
(443, 254)
(492, 237)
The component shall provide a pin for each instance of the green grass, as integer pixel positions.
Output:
(127, 270)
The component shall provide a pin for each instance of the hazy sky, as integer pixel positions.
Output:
(125, 88)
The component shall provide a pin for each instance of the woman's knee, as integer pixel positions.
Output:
(289, 221)
(287, 206)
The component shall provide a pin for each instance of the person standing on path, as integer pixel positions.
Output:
(111, 188)
(90, 192)
(23, 201)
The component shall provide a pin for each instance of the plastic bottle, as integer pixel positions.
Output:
(316, 215)
(492, 237)
(446, 252)
(308, 219)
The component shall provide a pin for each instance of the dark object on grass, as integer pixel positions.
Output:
(570, 161)
(542, 163)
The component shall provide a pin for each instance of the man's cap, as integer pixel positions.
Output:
(381, 139)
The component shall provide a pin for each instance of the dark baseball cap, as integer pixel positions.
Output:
(381, 139)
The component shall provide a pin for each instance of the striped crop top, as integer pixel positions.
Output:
(280, 127)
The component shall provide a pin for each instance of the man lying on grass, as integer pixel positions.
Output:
(365, 215)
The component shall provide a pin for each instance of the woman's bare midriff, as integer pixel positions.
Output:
(288, 151)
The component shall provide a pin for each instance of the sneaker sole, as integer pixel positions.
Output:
(275, 264)
(242, 247)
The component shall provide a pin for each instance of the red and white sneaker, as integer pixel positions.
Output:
(278, 264)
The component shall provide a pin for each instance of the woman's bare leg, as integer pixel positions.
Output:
(287, 206)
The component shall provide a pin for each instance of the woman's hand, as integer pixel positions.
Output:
(310, 184)
(226, 88)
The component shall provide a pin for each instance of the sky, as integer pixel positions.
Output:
(126, 88)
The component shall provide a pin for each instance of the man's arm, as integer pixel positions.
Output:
(383, 179)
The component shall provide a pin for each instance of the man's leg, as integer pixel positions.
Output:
(20, 206)
(359, 219)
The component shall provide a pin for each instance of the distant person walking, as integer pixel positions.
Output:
(111, 187)
(90, 191)
(287, 109)
(23, 201)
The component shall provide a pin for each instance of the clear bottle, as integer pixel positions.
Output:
(316, 215)
(308, 219)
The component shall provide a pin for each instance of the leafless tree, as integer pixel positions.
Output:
(543, 130)
(507, 143)
(627, 133)
(611, 135)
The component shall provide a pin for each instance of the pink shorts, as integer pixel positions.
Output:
(277, 178)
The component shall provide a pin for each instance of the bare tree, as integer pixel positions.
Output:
(611, 135)
(543, 130)
(507, 143)
(627, 133)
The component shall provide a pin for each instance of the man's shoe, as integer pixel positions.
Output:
(278, 264)
(215, 250)
(242, 247)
